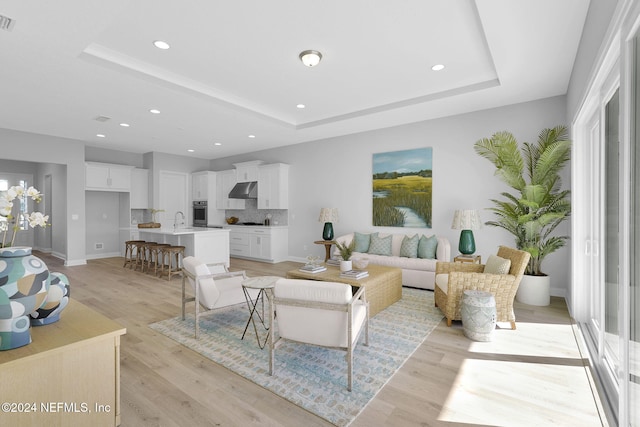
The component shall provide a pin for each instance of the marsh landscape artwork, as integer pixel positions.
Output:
(402, 182)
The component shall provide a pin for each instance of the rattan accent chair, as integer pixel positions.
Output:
(468, 276)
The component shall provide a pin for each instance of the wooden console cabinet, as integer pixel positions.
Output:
(68, 376)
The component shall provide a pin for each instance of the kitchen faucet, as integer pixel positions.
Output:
(175, 220)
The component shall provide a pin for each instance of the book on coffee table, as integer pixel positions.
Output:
(313, 268)
(354, 274)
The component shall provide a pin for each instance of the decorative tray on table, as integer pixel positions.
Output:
(149, 225)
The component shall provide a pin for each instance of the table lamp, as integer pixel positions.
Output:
(466, 220)
(328, 216)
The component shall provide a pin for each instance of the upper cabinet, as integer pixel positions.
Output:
(273, 186)
(107, 177)
(139, 189)
(203, 186)
(226, 180)
(247, 171)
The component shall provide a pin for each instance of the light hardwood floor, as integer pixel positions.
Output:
(534, 375)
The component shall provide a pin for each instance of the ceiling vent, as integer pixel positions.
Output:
(6, 23)
(102, 119)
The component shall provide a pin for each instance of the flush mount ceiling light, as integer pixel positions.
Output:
(161, 45)
(154, 111)
(124, 125)
(100, 135)
(300, 106)
(310, 58)
(217, 143)
(437, 67)
(251, 136)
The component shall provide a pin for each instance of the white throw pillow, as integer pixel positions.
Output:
(497, 265)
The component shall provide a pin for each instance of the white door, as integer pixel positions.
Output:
(173, 197)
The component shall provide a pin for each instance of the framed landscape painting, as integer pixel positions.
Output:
(402, 182)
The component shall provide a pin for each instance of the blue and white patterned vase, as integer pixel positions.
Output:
(24, 283)
(57, 300)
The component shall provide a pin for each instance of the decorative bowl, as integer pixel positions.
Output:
(232, 220)
(360, 263)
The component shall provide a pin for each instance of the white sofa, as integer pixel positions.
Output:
(416, 272)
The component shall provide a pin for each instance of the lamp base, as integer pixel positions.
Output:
(327, 231)
(467, 245)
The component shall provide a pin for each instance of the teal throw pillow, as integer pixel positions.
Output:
(362, 242)
(427, 247)
(409, 247)
(380, 245)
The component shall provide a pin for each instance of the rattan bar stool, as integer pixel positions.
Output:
(129, 253)
(169, 255)
(155, 258)
(139, 249)
(143, 255)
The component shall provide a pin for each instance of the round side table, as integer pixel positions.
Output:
(264, 285)
(478, 312)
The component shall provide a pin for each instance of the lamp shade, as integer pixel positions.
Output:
(328, 215)
(466, 219)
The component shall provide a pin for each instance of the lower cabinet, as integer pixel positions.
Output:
(259, 243)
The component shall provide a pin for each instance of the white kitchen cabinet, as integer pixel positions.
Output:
(139, 188)
(107, 177)
(226, 180)
(247, 171)
(273, 186)
(269, 244)
(203, 187)
(200, 185)
(238, 243)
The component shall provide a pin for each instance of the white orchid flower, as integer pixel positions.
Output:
(34, 194)
(38, 219)
(5, 206)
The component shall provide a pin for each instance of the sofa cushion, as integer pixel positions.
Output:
(409, 248)
(362, 242)
(380, 245)
(442, 281)
(427, 247)
(399, 262)
(497, 265)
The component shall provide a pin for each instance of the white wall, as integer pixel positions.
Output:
(337, 173)
(68, 183)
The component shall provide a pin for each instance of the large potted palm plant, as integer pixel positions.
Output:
(537, 206)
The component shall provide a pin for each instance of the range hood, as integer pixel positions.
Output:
(244, 190)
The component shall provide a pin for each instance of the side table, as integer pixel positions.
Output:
(327, 247)
(478, 313)
(476, 259)
(265, 285)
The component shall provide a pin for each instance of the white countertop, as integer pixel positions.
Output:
(240, 227)
(182, 230)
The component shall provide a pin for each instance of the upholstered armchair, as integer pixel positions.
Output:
(213, 287)
(325, 314)
(453, 278)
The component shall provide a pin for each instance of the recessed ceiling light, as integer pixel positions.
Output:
(217, 143)
(252, 136)
(161, 45)
(437, 67)
(191, 150)
(124, 125)
(300, 106)
(154, 111)
(99, 135)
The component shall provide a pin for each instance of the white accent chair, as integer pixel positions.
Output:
(216, 287)
(325, 314)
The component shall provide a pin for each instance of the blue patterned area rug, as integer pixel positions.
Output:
(312, 377)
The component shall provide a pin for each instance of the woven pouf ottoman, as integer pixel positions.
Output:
(478, 312)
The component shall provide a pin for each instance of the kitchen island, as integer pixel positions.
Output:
(209, 245)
